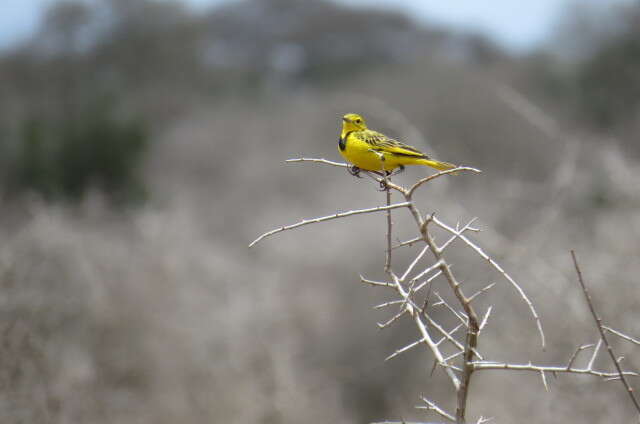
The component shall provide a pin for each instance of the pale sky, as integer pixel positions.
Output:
(514, 24)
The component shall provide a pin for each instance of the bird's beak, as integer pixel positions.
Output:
(345, 120)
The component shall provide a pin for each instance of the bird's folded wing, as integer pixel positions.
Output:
(383, 143)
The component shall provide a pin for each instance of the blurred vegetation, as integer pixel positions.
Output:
(595, 70)
(65, 158)
(609, 82)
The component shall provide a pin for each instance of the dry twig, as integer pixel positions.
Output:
(327, 218)
(621, 335)
(603, 336)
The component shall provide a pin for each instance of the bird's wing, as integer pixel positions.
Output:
(380, 142)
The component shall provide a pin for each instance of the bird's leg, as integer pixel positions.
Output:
(396, 171)
(355, 171)
(387, 177)
(383, 172)
(376, 175)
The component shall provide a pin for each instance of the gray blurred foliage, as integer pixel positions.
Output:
(160, 314)
(594, 68)
(609, 81)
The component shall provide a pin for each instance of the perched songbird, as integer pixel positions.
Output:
(372, 151)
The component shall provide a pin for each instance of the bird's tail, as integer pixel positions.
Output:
(440, 166)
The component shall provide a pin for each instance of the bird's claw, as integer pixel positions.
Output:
(355, 171)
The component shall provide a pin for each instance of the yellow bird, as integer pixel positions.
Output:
(373, 151)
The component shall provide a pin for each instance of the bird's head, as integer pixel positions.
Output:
(353, 122)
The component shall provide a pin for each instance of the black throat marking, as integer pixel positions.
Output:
(342, 141)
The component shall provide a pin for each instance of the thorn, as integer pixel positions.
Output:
(544, 380)
(435, 364)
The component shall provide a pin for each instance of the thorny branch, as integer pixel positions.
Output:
(326, 218)
(486, 365)
(603, 336)
(431, 406)
(387, 263)
(495, 265)
(622, 336)
(462, 357)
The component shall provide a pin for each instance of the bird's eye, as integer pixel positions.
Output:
(358, 121)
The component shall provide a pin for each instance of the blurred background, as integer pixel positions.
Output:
(142, 147)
